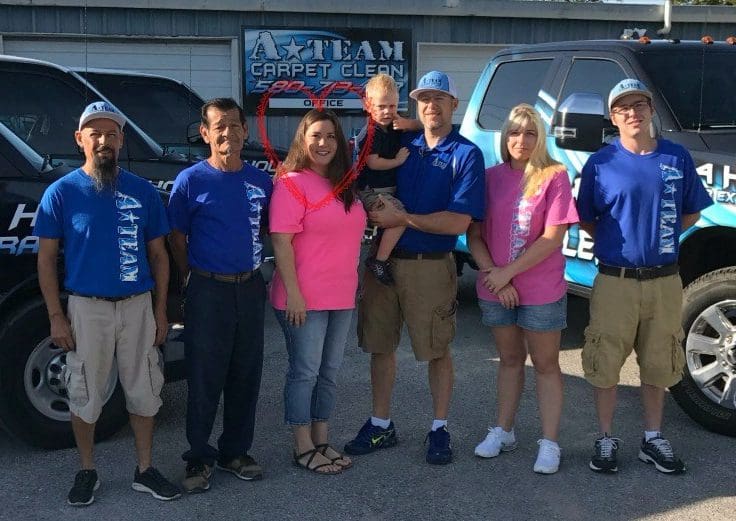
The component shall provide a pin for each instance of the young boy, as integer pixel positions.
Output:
(377, 180)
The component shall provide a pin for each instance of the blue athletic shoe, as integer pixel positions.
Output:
(371, 438)
(439, 451)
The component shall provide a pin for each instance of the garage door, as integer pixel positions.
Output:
(463, 62)
(205, 66)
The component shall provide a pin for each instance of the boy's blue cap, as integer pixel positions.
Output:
(626, 87)
(101, 110)
(437, 81)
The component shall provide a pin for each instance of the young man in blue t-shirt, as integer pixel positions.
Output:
(636, 197)
(217, 212)
(112, 226)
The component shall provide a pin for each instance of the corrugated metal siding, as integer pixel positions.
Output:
(187, 23)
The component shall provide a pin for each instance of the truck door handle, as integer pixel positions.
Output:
(565, 132)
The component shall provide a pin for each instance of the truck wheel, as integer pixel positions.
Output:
(707, 392)
(33, 401)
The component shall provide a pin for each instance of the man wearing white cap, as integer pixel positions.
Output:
(441, 185)
(112, 225)
(636, 196)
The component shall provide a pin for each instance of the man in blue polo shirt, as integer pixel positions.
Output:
(636, 197)
(217, 211)
(112, 226)
(441, 185)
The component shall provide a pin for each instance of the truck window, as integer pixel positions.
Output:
(512, 83)
(591, 75)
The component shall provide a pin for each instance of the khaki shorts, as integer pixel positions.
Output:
(370, 200)
(629, 314)
(424, 295)
(105, 333)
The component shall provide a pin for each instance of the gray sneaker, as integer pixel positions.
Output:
(197, 479)
(244, 467)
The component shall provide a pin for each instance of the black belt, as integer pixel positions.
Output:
(233, 278)
(108, 299)
(645, 273)
(403, 254)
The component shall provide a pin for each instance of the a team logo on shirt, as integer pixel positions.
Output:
(668, 208)
(520, 227)
(128, 235)
(256, 196)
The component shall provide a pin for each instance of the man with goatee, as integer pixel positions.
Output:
(112, 226)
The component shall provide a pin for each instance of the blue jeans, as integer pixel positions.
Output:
(224, 355)
(315, 355)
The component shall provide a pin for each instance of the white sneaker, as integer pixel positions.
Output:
(496, 442)
(548, 458)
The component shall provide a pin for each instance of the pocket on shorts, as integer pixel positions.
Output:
(76, 381)
(443, 325)
(678, 353)
(591, 351)
(154, 372)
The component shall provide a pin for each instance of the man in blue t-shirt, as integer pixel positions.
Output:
(217, 212)
(441, 185)
(112, 225)
(637, 195)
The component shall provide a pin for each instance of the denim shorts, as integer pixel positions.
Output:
(543, 317)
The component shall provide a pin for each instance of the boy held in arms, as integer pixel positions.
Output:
(377, 180)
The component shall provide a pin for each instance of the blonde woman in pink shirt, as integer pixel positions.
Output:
(521, 285)
(316, 225)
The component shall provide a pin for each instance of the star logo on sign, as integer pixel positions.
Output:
(293, 50)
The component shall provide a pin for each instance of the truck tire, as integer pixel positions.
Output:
(33, 404)
(707, 392)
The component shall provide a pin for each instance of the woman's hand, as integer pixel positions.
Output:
(508, 296)
(296, 309)
(497, 278)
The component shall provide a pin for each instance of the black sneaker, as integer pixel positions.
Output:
(83, 491)
(381, 270)
(439, 451)
(659, 451)
(371, 438)
(153, 482)
(604, 460)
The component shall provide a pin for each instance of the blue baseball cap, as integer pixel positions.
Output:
(436, 81)
(626, 87)
(101, 110)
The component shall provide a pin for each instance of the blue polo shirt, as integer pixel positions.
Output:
(104, 233)
(636, 202)
(221, 214)
(449, 177)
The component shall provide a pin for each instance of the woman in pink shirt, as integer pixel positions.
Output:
(316, 225)
(521, 285)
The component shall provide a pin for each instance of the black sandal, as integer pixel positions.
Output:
(307, 466)
(322, 448)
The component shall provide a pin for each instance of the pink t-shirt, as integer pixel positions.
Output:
(513, 223)
(326, 241)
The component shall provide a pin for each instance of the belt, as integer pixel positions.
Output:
(403, 254)
(108, 299)
(645, 273)
(233, 278)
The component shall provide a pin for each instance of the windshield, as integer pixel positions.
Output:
(162, 108)
(32, 155)
(679, 77)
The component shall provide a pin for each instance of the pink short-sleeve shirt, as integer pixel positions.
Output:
(326, 241)
(513, 223)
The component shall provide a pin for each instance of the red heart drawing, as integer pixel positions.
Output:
(317, 103)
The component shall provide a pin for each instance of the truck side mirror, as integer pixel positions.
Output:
(193, 135)
(580, 122)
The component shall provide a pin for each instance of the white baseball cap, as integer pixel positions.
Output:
(101, 110)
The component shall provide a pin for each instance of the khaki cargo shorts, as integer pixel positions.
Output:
(105, 333)
(369, 197)
(640, 315)
(424, 295)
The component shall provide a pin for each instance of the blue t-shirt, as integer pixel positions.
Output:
(221, 213)
(636, 202)
(449, 177)
(104, 233)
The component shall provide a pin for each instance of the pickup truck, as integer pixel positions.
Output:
(693, 83)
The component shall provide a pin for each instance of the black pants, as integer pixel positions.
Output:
(224, 355)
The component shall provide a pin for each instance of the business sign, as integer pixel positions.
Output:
(286, 63)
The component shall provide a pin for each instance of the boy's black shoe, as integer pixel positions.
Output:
(153, 482)
(604, 459)
(659, 451)
(370, 438)
(381, 270)
(83, 491)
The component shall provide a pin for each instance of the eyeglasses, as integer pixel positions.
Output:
(639, 107)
